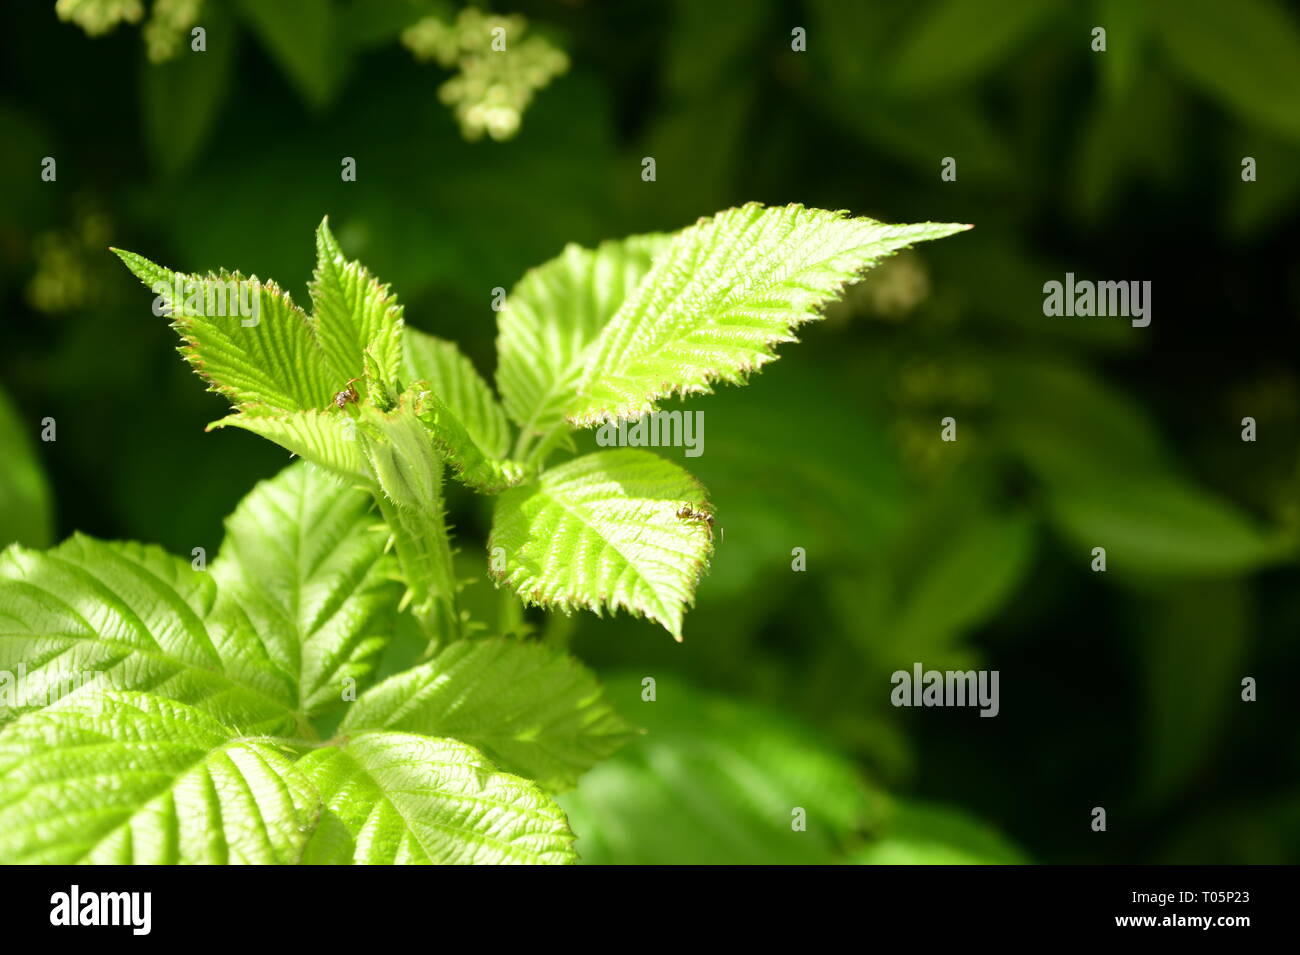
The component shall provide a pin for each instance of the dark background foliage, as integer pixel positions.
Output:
(1119, 690)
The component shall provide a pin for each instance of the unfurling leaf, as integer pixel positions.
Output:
(352, 312)
(461, 413)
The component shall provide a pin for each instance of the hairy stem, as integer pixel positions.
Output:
(424, 555)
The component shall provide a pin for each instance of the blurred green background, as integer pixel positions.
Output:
(1119, 690)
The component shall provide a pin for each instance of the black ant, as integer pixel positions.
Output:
(348, 395)
(698, 515)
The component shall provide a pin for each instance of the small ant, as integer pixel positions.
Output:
(348, 395)
(699, 515)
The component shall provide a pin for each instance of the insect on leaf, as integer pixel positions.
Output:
(603, 532)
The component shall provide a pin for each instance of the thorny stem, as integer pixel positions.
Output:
(423, 549)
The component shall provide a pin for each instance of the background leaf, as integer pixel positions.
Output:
(25, 510)
(1246, 55)
(714, 781)
(954, 41)
(304, 39)
(920, 834)
(183, 97)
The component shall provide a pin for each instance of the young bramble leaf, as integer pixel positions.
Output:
(398, 798)
(242, 335)
(404, 461)
(470, 465)
(723, 294)
(303, 560)
(554, 312)
(452, 377)
(461, 413)
(533, 710)
(90, 614)
(353, 312)
(604, 531)
(126, 778)
(325, 438)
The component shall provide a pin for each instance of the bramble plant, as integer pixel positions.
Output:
(175, 712)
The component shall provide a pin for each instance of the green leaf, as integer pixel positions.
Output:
(1162, 524)
(91, 614)
(602, 531)
(714, 781)
(304, 559)
(181, 99)
(983, 559)
(274, 360)
(468, 462)
(126, 778)
(1245, 54)
(723, 294)
(1109, 480)
(397, 798)
(554, 312)
(956, 41)
(303, 39)
(327, 438)
(533, 710)
(353, 312)
(452, 377)
(1194, 636)
(920, 834)
(24, 493)
(461, 413)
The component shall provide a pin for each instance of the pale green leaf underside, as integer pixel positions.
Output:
(90, 614)
(127, 778)
(398, 798)
(554, 312)
(327, 438)
(721, 296)
(533, 710)
(352, 312)
(304, 560)
(602, 532)
(457, 384)
(276, 362)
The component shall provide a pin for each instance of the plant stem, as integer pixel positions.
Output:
(424, 555)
